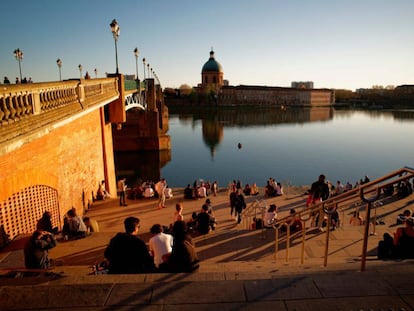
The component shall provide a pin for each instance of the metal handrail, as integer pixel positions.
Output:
(360, 193)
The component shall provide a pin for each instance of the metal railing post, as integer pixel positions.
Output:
(367, 222)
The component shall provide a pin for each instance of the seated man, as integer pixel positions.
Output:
(204, 221)
(160, 244)
(127, 253)
(188, 192)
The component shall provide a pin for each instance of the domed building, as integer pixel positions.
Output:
(212, 74)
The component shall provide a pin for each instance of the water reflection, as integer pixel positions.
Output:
(215, 120)
(294, 145)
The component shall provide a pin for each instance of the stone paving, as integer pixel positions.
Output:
(238, 270)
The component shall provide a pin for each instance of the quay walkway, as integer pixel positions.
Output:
(238, 269)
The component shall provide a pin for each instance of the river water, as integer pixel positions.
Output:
(292, 146)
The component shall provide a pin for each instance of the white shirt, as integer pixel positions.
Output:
(269, 218)
(160, 245)
(202, 192)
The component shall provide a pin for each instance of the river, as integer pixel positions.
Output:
(292, 146)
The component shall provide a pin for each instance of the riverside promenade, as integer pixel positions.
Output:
(238, 269)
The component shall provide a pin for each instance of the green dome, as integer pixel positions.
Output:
(212, 64)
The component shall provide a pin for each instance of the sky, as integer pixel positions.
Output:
(336, 44)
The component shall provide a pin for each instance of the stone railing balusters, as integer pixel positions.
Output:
(22, 101)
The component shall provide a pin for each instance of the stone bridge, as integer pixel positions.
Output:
(57, 144)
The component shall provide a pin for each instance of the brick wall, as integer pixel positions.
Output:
(69, 159)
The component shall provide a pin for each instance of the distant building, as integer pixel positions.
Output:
(302, 85)
(220, 93)
(404, 89)
(130, 77)
(212, 75)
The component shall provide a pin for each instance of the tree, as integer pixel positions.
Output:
(185, 89)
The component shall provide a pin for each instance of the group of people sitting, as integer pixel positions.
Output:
(273, 188)
(128, 254)
(36, 249)
(200, 190)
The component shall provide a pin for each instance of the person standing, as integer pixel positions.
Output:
(121, 187)
(239, 205)
(159, 245)
(214, 188)
(160, 189)
(319, 191)
(127, 253)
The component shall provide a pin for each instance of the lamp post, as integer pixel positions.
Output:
(96, 72)
(59, 64)
(143, 61)
(136, 53)
(115, 32)
(80, 70)
(18, 54)
(148, 70)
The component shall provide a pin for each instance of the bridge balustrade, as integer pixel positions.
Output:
(34, 106)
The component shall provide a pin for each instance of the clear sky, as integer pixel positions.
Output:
(336, 44)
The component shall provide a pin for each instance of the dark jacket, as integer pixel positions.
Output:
(127, 254)
(183, 257)
(36, 254)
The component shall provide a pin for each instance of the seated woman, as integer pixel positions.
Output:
(254, 190)
(270, 216)
(279, 189)
(183, 257)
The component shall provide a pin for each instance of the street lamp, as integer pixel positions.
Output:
(96, 72)
(59, 64)
(80, 70)
(148, 71)
(136, 53)
(143, 61)
(19, 57)
(115, 31)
